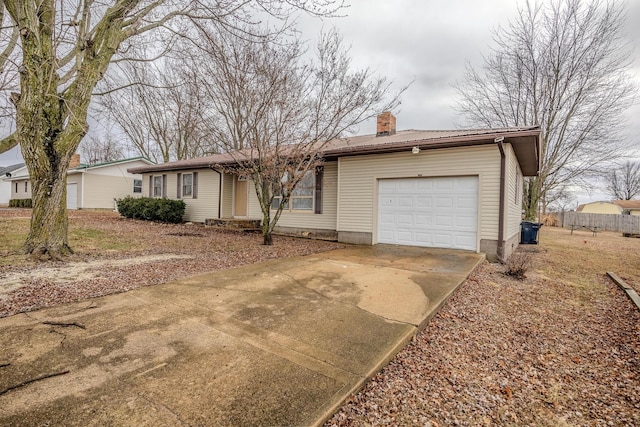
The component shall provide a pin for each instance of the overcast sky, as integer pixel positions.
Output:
(429, 42)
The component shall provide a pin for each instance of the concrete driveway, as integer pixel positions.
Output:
(278, 343)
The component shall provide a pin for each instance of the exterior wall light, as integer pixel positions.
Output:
(415, 150)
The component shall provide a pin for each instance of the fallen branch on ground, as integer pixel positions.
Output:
(63, 324)
(24, 383)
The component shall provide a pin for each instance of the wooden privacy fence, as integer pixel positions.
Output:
(627, 224)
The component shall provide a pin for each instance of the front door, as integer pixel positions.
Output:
(241, 197)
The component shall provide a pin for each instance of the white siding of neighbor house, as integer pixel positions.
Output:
(76, 178)
(515, 189)
(20, 194)
(101, 190)
(205, 205)
(101, 185)
(358, 175)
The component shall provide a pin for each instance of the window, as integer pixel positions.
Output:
(157, 186)
(137, 186)
(302, 197)
(187, 185)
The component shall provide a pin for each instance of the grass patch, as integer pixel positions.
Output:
(91, 239)
(583, 259)
(89, 234)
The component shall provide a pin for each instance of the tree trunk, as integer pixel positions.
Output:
(49, 222)
(532, 198)
(267, 238)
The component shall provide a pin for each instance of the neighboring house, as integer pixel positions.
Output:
(629, 207)
(90, 186)
(458, 189)
(5, 186)
(600, 208)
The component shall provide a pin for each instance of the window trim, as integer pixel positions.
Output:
(183, 187)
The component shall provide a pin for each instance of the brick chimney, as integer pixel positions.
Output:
(75, 161)
(386, 124)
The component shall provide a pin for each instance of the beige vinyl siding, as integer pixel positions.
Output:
(199, 209)
(253, 205)
(206, 205)
(227, 195)
(358, 175)
(327, 219)
(515, 187)
(20, 194)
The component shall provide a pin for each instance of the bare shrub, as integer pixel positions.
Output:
(517, 265)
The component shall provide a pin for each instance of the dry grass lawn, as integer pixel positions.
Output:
(114, 254)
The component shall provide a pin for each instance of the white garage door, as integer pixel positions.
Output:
(431, 212)
(72, 196)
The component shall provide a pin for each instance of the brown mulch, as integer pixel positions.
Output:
(207, 249)
(503, 352)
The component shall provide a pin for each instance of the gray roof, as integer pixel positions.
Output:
(8, 169)
(525, 142)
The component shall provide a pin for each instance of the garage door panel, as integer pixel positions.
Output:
(423, 239)
(445, 184)
(405, 202)
(404, 236)
(423, 220)
(424, 202)
(466, 203)
(406, 220)
(442, 239)
(425, 185)
(430, 212)
(444, 202)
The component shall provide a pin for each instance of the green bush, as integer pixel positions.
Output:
(20, 203)
(150, 209)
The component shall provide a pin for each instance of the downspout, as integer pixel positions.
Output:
(500, 252)
(219, 191)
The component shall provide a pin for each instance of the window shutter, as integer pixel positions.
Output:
(164, 186)
(318, 190)
(179, 189)
(150, 186)
(194, 183)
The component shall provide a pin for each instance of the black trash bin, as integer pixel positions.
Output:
(529, 232)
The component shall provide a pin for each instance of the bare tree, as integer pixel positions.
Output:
(562, 65)
(162, 113)
(65, 50)
(99, 149)
(274, 112)
(623, 183)
(9, 36)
